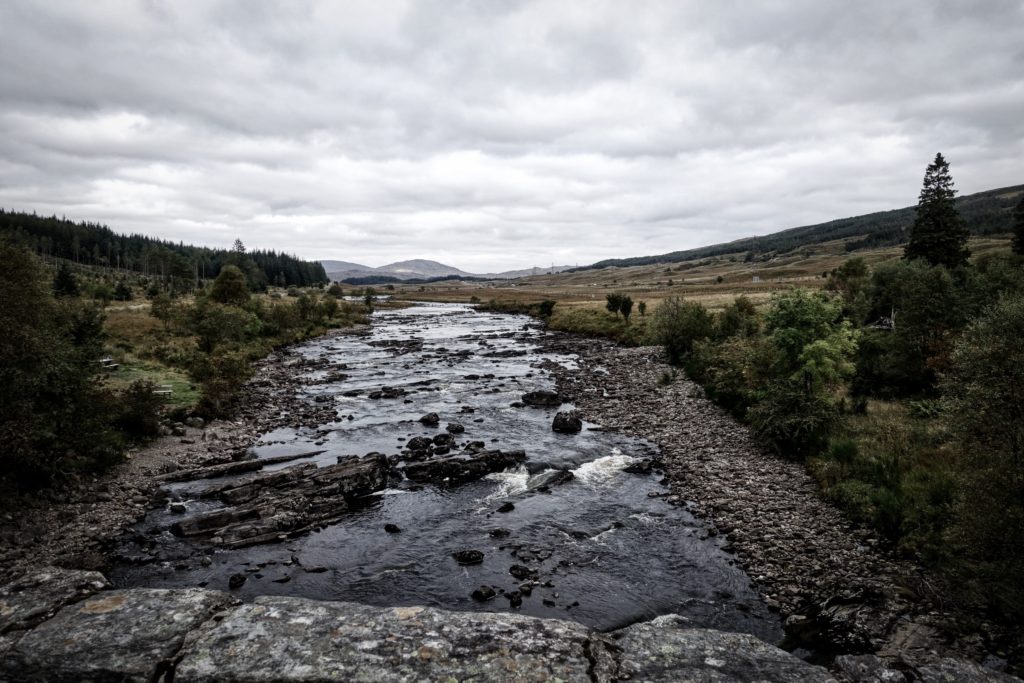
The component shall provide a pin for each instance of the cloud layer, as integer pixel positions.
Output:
(497, 134)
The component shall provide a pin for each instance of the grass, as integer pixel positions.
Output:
(596, 322)
(695, 280)
(890, 469)
(184, 393)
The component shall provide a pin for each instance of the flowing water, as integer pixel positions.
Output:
(608, 552)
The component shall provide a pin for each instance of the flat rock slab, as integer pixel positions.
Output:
(295, 639)
(123, 635)
(665, 650)
(38, 594)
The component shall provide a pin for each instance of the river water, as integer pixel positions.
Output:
(607, 551)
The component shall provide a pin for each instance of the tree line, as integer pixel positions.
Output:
(901, 386)
(176, 263)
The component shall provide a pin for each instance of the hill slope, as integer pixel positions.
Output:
(97, 245)
(986, 213)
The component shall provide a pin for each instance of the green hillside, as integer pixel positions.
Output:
(986, 213)
(93, 244)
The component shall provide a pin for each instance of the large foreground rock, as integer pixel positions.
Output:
(193, 635)
(199, 636)
(126, 635)
(296, 639)
(37, 595)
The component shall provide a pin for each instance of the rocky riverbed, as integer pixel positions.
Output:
(835, 585)
(470, 462)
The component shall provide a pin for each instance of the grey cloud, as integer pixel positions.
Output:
(497, 134)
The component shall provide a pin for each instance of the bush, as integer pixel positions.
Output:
(140, 409)
(123, 291)
(740, 318)
(796, 423)
(230, 287)
(221, 375)
(546, 308)
(677, 325)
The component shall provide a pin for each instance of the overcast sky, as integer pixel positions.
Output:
(496, 134)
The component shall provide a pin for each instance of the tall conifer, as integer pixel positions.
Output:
(939, 234)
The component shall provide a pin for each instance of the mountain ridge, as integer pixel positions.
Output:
(421, 269)
(986, 212)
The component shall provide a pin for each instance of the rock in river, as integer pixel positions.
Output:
(468, 557)
(567, 423)
(542, 399)
(457, 469)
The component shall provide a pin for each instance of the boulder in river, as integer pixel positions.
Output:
(567, 422)
(468, 557)
(542, 398)
(419, 443)
(455, 428)
(285, 503)
(430, 420)
(483, 594)
(549, 478)
(458, 470)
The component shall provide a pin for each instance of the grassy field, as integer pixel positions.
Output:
(713, 282)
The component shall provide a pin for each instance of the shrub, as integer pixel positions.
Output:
(795, 422)
(677, 324)
(140, 409)
(546, 308)
(221, 375)
(740, 318)
(230, 287)
(123, 291)
(215, 324)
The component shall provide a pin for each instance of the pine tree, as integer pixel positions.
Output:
(939, 234)
(1018, 228)
(64, 282)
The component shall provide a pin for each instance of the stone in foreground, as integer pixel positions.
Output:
(665, 650)
(37, 595)
(295, 639)
(124, 635)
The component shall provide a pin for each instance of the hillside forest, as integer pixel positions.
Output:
(178, 266)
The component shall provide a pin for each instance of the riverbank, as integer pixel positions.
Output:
(76, 525)
(835, 585)
(836, 588)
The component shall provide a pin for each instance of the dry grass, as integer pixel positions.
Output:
(695, 280)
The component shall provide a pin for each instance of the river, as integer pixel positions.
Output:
(605, 548)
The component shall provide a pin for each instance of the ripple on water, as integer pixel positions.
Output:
(602, 550)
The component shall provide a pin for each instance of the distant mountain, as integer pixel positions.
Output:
(337, 266)
(986, 213)
(422, 269)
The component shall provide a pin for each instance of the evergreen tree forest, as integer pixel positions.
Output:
(179, 265)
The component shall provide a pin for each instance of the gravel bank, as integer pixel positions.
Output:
(835, 585)
(75, 525)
